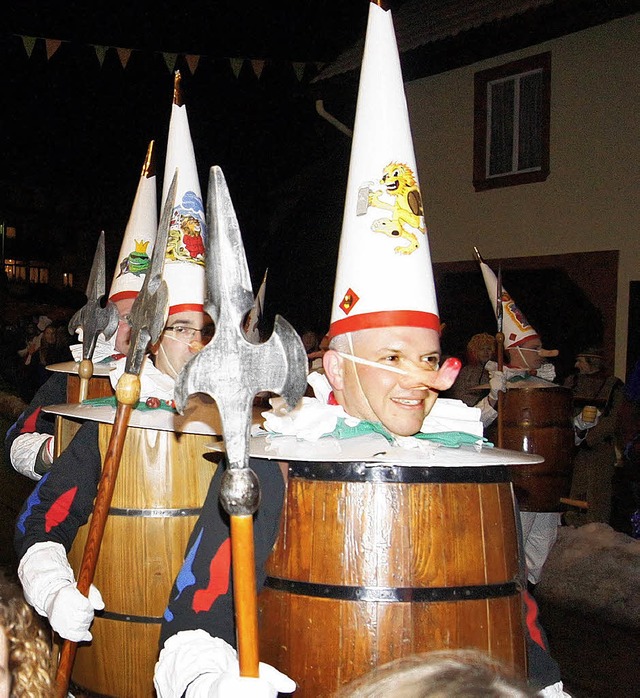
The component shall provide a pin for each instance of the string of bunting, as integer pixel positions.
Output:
(170, 58)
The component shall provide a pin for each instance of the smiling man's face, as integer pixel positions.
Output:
(399, 402)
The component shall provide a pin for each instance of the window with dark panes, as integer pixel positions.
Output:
(511, 133)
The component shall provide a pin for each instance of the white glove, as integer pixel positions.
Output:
(581, 425)
(497, 383)
(207, 667)
(24, 453)
(546, 372)
(556, 690)
(49, 586)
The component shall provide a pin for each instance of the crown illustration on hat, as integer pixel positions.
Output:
(184, 270)
(516, 327)
(384, 275)
(139, 235)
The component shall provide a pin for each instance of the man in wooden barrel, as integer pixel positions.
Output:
(29, 442)
(526, 367)
(63, 499)
(383, 375)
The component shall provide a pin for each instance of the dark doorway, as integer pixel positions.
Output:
(569, 299)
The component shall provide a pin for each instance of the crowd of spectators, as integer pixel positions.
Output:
(27, 345)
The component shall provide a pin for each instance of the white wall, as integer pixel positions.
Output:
(589, 201)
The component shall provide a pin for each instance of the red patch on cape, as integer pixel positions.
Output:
(59, 510)
(218, 585)
(532, 620)
(29, 426)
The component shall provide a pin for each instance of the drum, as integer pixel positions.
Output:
(378, 561)
(162, 482)
(540, 420)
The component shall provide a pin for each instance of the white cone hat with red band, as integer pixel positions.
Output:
(184, 263)
(384, 276)
(139, 235)
(515, 326)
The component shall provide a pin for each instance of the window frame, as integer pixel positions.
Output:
(481, 180)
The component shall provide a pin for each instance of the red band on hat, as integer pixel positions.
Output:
(386, 318)
(186, 307)
(520, 341)
(123, 296)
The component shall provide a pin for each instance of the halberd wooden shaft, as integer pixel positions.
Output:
(85, 371)
(500, 405)
(244, 594)
(127, 393)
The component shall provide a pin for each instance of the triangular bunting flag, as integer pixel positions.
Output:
(28, 42)
(258, 67)
(236, 65)
(170, 59)
(52, 46)
(101, 52)
(192, 62)
(298, 69)
(124, 54)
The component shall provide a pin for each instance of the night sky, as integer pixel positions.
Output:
(74, 133)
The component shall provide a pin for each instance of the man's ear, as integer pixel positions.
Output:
(333, 365)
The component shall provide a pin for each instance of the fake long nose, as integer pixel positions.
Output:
(418, 378)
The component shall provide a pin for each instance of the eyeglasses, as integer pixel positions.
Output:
(188, 333)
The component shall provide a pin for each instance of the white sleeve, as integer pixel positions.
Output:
(488, 414)
(24, 453)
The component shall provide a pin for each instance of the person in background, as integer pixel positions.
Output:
(526, 366)
(29, 441)
(481, 348)
(49, 352)
(26, 668)
(440, 674)
(597, 397)
(315, 357)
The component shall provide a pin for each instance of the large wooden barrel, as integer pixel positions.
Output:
(540, 420)
(162, 482)
(65, 429)
(375, 562)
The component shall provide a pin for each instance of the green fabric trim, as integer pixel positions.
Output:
(450, 439)
(454, 439)
(517, 379)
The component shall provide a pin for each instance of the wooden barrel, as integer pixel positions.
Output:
(376, 562)
(162, 482)
(99, 386)
(540, 420)
(65, 429)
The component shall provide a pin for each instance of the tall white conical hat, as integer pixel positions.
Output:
(515, 326)
(384, 276)
(184, 263)
(139, 235)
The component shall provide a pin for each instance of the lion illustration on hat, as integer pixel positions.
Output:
(400, 184)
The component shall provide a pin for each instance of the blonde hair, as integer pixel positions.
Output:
(30, 662)
(462, 673)
(477, 342)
